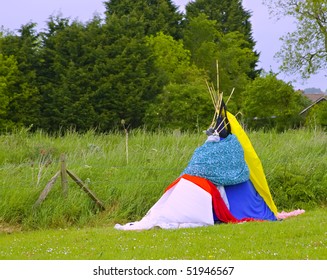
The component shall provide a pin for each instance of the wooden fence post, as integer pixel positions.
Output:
(64, 183)
(47, 189)
(64, 179)
(79, 182)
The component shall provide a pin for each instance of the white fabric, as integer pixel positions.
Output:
(184, 205)
(213, 138)
(223, 195)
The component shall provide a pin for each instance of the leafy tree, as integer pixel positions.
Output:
(229, 17)
(185, 101)
(304, 50)
(172, 59)
(181, 106)
(154, 15)
(271, 103)
(235, 59)
(317, 116)
(201, 38)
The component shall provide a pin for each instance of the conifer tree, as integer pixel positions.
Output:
(24, 96)
(154, 15)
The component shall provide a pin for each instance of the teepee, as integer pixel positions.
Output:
(224, 181)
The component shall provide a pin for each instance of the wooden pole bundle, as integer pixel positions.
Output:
(217, 99)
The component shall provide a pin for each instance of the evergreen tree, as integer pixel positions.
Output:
(64, 77)
(229, 15)
(8, 80)
(154, 15)
(128, 77)
(23, 108)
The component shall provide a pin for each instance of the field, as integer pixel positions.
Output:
(298, 238)
(129, 174)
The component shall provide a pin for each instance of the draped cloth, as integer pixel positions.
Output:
(187, 202)
(193, 199)
(221, 162)
(257, 174)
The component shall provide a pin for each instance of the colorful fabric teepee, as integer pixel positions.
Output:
(224, 182)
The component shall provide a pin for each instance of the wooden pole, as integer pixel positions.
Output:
(47, 189)
(64, 178)
(217, 69)
(79, 182)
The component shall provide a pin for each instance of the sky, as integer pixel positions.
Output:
(266, 31)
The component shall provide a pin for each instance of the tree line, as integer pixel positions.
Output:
(144, 63)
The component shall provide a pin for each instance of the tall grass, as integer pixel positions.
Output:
(295, 163)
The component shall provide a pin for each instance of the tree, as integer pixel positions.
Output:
(304, 50)
(317, 116)
(271, 103)
(23, 108)
(129, 79)
(154, 15)
(8, 80)
(185, 102)
(65, 81)
(172, 59)
(229, 17)
(232, 51)
(181, 106)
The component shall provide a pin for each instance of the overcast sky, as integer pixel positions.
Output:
(266, 31)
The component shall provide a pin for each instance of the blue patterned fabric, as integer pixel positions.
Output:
(220, 162)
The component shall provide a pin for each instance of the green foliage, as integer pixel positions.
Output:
(185, 102)
(23, 93)
(8, 79)
(271, 103)
(229, 16)
(130, 80)
(153, 15)
(317, 116)
(232, 51)
(305, 49)
(134, 66)
(171, 59)
(184, 107)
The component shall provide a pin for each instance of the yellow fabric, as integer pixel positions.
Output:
(257, 175)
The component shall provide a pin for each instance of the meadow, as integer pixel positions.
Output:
(129, 174)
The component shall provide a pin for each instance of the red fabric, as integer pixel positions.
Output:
(219, 206)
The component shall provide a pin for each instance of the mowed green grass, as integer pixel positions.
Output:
(303, 237)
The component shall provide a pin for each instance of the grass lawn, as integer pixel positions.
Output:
(298, 238)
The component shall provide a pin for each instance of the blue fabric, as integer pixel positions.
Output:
(245, 202)
(220, 162)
